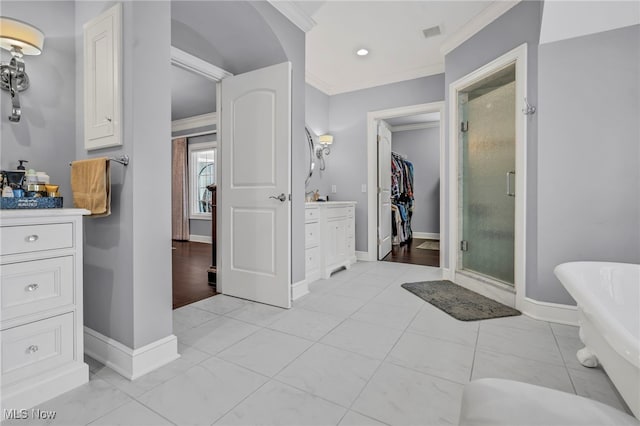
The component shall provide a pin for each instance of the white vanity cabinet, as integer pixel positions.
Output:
(330, 238)
(41, 325)
(103, 80)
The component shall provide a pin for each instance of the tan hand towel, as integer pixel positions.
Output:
(91, 185)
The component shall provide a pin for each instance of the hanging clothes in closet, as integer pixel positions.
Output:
(401, 199)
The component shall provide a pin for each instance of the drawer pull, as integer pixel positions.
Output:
(32, 238)
(31, 287)
(32, 349)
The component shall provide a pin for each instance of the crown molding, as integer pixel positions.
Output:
(318, 83)
(388, 79)
(195, 122)
(196, 65)
(294, 13)
(415, 126)
(477, 23)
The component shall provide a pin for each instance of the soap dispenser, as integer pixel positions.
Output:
(21, 166)
(6, 189)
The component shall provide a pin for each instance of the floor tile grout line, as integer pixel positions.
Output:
(564, 362)
(240, 402)
(380, 365)
(475, 351)
(113, 409)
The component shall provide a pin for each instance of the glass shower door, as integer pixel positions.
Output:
(488, 177)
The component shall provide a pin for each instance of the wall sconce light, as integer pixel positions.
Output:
(20, 39)
(324, 148)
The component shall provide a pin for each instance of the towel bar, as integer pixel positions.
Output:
(122, 159)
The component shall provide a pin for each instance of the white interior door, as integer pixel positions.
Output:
(384, 190)
(255, 153)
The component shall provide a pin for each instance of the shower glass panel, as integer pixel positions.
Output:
(487, 110)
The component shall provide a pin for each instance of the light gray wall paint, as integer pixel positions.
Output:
(422, 148)
(45, 134)
(191, 94)
(317, 118)
(127, 274)
(228, 34)
(519, 25)
(589, 154)
(347, 164)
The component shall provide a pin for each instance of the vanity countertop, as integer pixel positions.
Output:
(328, 203)
(31, 213)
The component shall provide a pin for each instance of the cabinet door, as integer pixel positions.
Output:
(337, 241)
(102, 80)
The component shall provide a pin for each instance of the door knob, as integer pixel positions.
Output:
(280, 197)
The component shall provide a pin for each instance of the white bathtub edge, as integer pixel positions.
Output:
(552, 312)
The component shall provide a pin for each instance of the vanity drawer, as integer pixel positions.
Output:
(334, 212)
(31, 349)
(311, 214)
(351, 248)
(31, 238)
(311, 234)
(312, 259)
(350, 229)
(36, 286)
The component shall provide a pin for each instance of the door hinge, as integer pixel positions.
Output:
(464, 126)
(464, 245)
(379, 190)
(379, 242)
(289, 197)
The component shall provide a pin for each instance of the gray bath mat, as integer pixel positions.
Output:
(430, 245)
(460, 303)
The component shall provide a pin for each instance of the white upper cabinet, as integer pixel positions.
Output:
(103, 80)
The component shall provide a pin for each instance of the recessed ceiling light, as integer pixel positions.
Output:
(362, 52)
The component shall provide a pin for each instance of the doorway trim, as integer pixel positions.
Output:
(504, 295)
(372, 172)
(192, 63)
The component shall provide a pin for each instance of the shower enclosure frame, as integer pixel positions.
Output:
(494, 289)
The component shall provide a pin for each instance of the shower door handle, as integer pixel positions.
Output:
(509, 193)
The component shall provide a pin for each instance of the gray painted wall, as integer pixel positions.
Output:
(519, 25)
(422, 148)
(589, 154)
(46, 132)
(127, 274)
(317, 118)
(347, 164)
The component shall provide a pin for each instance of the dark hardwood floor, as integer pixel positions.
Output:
(190, 263)
(410, 253)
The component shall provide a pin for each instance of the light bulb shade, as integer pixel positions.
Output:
(326, 139)
(14, 33)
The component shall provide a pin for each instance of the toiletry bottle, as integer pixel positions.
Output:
(21, 166)
(6, 189)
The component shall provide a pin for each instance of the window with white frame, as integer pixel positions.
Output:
(202, 172)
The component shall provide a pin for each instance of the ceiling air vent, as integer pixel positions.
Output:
(431, 32)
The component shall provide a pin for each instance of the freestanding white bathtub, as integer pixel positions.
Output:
(608, 298)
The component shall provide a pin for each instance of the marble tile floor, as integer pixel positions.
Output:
(340, 356)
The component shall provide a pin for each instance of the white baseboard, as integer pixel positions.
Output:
(130, 363)
(363, 256)
(200, 239)
(299, 289)
(34, 391)
(426, 235)
(552, 312)
(446, 274)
